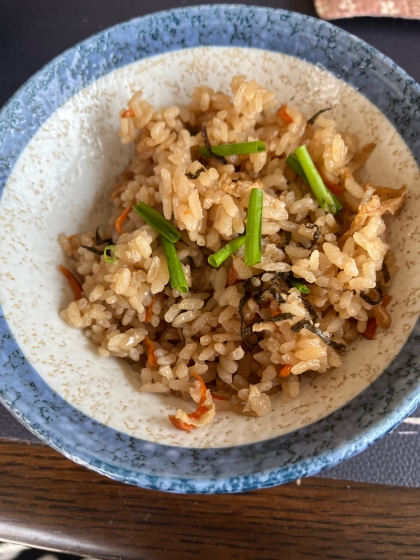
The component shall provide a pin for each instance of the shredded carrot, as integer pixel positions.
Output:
(150, 308)
(196, 415)
(336, 189)
(282, 113)
(151, 358)
(370, 330)
(219, 397)
(276, 312)
(180, 424)
(74, 283)
(203, 388)
(386, 300)
(121, 219)
(127, 114)
(231, 277)
(285, 370)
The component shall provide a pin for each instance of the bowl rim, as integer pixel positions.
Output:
(336, 451)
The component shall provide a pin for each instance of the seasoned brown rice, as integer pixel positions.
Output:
(178, 341)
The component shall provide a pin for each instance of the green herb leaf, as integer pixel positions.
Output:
(157, 222)
(111, 249)
(234, 149)
(176, 273)
(253, 252)
(301, 287)
(225, 252)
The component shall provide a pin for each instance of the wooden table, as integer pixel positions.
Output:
(49, 502)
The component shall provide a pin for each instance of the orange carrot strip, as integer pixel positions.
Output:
(121, 219)
(284, 115)
(276, 312)
(180, 424)
(151, 358)
(149, 309)
(203, 388)
(74, 283)
(196, 415)
(127, 114)
(231, 277)
(370, 330)
(285, 370)
(338, 190)
(386, 300)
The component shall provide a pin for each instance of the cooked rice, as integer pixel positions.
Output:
(200, 332)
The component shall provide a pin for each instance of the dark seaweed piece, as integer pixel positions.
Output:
(250, 338)
(305, 324)
(371, 301)
(385, 273)
(287, 239)
(208, 145)
(93, 250)
(310, 309)
(317, 233)
(195, 175)
(312, 119)
(99, 240)
(274, 291)
(276, 319)
(256, 292)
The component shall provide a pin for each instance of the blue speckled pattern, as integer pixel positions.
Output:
(307, 451)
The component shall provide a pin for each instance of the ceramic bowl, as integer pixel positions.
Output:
(59, 156)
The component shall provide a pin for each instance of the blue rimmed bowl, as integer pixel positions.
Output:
(59, 155)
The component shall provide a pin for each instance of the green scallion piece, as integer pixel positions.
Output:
(293, 162)
(225, 252)
(111, 249)
(176, 273)
(234, 149)
(301, 287)
(157, 222)
(254, 228)
(322, 194)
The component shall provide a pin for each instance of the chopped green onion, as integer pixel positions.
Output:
(254, 228)
(225, 252)
(157, 222)
(322, 194)
(110, 248)
(293, 162)
(234, 149)
(337, 203)
(301, 287)
(176, 273)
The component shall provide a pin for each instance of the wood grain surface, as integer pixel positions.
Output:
(49, 502)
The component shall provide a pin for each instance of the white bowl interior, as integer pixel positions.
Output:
(62, 182)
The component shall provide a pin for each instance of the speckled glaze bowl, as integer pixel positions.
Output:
(59, 155)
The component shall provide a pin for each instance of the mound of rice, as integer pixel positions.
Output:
(178, 341)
